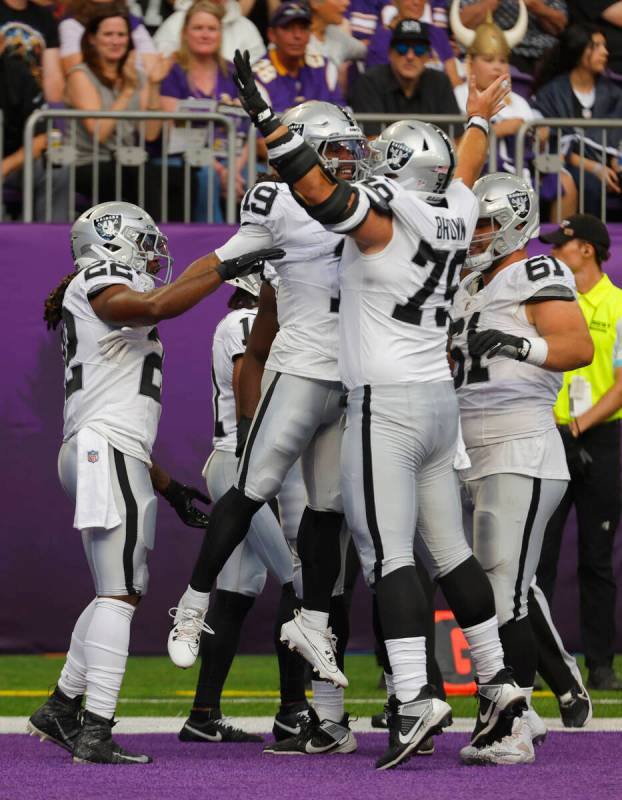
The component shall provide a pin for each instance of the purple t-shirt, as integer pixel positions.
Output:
(364, 16)
(378, 48)
(285, 91)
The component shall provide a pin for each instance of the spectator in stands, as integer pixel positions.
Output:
(404, 85)
(547, 19)
(364, 17)
(20, 95)
(201, 72)
(440, 46)
(109, 80)
(238, 32)
(152, 13)
(31, 31)
(607, 16)
(571, 84)
(79, 12)
(291, 75)
(330, 40)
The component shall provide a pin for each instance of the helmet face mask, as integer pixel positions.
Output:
(124, 233)
(511, 207)
(418, 155)
(335, 136)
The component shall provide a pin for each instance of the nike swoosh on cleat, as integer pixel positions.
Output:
(294, 731)
(486, 717)
(411, 732)
(136, 759)
(312, 749)
(215, 737)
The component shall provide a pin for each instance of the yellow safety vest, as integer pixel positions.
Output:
(602, 308)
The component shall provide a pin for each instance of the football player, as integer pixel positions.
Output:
(299, 414)
(407, 238)
(109, 307)
(516, 327)
(243, 577)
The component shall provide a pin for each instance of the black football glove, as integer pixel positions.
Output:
(181, 498)
(244, 428)
(496, 343)
(248, 263)
(258, 110)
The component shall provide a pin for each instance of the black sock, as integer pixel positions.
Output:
(519, 650)
(340, 625)
(401, 604)
(381, 648)
(468, 593)
(320, 556)
(229, 523)
(551, 664)
(291, 665)
(226, 614)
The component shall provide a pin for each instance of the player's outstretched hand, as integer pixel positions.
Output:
(253, 103)
(489, 102)
(496, 343)
(182, 499)
(248, 263)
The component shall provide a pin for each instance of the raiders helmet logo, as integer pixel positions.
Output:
(297, 127)
(108, 226)
(398, 155)
(520, 203)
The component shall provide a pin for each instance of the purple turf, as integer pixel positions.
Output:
(568, 767)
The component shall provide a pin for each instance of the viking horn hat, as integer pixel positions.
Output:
(488, 38)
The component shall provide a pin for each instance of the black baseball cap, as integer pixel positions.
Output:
(288, 12)
(586, 227)
(410, 30)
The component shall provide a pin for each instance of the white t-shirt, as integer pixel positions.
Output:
(308, 288)
(506, 406)
(229, 344)
(119, 400)
(393, 316)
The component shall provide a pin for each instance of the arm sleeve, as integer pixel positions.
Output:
(250, 237)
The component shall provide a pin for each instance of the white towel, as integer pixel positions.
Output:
(95, 504)
(461, 459)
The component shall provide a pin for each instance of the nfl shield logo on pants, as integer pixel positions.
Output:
(93, 456)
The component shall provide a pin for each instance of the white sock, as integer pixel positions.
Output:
(318, 620)
(193, 599)
(328, 701)
(486, 650)
(105, 649)
(407, 657)
(528, 693)
(388, 679)
(72, 681)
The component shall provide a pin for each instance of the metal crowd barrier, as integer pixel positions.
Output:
(552, 161)
(197, 155)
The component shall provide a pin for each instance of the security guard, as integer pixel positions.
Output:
(588, 411)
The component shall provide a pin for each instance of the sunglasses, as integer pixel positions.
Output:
(418, 48)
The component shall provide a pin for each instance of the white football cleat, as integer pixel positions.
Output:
(185, 635)
(316, 647)
(515, 748)
(537, 727)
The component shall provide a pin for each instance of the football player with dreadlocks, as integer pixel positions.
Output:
(109, 307)
(516, 327)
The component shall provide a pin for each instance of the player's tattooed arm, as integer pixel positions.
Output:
(262, 335)
(182, 498)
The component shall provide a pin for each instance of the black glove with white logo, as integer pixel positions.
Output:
(248, 263)
(244, 428)
(182, 499)
(263, 117)
(496, 343)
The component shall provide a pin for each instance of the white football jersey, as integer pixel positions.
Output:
(118, 399)
(230, 340)
(503, 401)
(308, 285)
(393, 315)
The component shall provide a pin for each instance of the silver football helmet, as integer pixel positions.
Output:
(250, 284)
(511, 206)
(334, 134)
(418, 155)
(121, 232)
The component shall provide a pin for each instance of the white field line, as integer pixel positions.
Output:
(264, 725)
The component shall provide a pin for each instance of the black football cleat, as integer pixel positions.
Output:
(413, 723)
(575, 707)
(213, 727)
(316, 738)
(500, 701)
(58, 720)
(288, 723)
(95, 744)
(380, 721)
